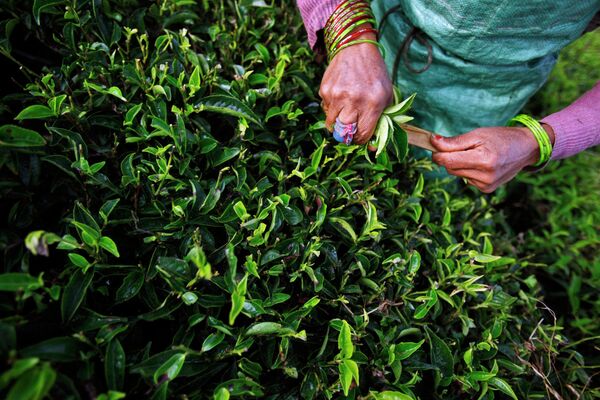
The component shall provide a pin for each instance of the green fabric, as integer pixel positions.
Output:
(489, 56)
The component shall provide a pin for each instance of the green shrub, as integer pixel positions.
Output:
(179, 225)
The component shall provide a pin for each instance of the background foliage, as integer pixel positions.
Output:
(178, 225)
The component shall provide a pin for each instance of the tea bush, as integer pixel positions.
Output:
(179, 225)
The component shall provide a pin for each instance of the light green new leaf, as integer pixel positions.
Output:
(212, 341)
(503, 386)
(36, 111)
(345, 344)
(109, 245)
(170, 368)
(33, 385)
(79, 261)
(388, 395)
(14, 281)
(405, 349)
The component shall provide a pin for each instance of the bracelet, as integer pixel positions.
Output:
(340, 30)
(355, 35)
(338, 18)
(357, 41)
(540, 134)
(343, 27)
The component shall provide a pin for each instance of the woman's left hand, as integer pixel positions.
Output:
(488, 157)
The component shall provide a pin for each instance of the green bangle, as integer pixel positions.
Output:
(352, 43)
(540, 134)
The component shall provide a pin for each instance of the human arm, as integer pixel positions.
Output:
(314, 15)
(356, 86)
(490, 157)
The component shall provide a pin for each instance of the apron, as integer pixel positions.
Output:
(481, 60)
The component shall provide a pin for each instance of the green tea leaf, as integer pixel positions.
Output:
(36, 111)
(16, 281)
(15, 136)
(345, 341)
(227, 105)
(441, 356)
(33, 385)
(170, 368)
(40, 5)
(114, 365)
(264, 328)
(405, 349)
(503, 386)
(109, 245)
(212, 341)
(74, 293)
(388, 395)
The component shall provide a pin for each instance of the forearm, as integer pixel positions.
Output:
(577, 127)
(315, 14)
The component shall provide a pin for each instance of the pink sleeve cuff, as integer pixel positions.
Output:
(315, 14)
(576, 127)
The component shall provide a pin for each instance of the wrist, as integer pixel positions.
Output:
(541, 136)
(369, 35)
(532, 152)
(550, 132)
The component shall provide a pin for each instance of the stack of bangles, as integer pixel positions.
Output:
(344, 28)
(540, 134)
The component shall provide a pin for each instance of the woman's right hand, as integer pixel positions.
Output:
(356, 87)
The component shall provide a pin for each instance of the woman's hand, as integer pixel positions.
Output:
(356, 87)
(488, 157)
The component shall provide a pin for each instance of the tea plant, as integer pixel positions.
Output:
(179, 225)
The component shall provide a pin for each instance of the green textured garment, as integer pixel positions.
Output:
(488, 56)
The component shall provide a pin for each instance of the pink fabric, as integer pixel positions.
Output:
(315, 14)
(577, 127)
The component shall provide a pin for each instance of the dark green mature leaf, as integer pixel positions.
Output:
(441, 356)
(131, 285)
(227, 105)
(114, 365)
(74, 293)
(40, 6)
(15, 136)
(59, 349)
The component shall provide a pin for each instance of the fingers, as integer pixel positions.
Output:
(484, 181)
(332, 113)
(457, 160)
(481, 186)
(348, 115)
(365, 128)
(456, 143)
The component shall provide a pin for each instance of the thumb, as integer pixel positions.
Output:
(456, 143)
